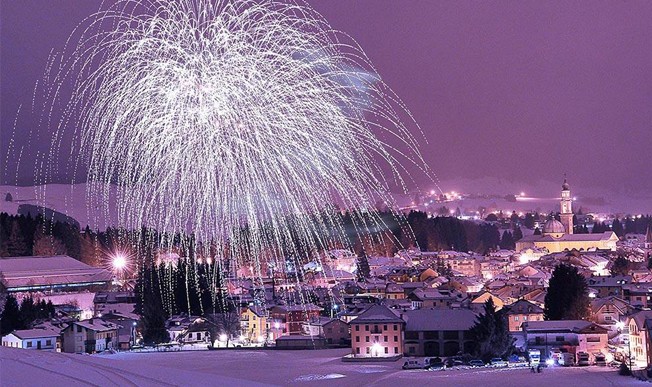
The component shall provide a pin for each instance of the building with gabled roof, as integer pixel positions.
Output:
(47, 339)
(377, 332)
(521, 312)
(639, 327)
(90, 336)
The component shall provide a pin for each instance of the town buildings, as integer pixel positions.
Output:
(438, 332)
(377, 332)
(558, 236)
(89, 336)
(571, 336)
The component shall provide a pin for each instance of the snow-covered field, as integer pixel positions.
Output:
(251, 368)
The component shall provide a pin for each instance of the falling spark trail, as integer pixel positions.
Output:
(245, 124)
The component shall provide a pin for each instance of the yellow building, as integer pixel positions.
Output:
(253, 322)
(558, 236)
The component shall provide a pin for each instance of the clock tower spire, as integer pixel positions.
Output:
(566, 215)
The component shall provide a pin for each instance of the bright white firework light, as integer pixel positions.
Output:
(242, 122)
(119, 262)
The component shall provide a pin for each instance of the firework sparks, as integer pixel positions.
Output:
(217, 118)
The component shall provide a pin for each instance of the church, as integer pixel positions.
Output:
(558, 236)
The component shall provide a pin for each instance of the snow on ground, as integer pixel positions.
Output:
(267, 367)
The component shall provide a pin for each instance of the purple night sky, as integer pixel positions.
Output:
(521, 90)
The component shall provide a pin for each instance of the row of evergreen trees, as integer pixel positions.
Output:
(23, 316)
(183, 287)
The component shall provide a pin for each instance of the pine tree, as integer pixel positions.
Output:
(10, 317)
(491, 333)
(518, 234)
(507, 241)
(28, 312)
(15, 244)
(618, 228)
(567, 297)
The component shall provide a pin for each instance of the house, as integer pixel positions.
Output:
(335, 331)
(126, 323)
(477, 305)
(638, 294)
(522, 311)
(608, 311)
(436, 298)
(640, 345)
(90, 336)
(254, 324)
(198, 331)
(37, 338)
(571, 336)
(178, 324)
(609, 286)
(438, 332)
(287, 319)
(394, 291)
(113, 301)
(377, 332)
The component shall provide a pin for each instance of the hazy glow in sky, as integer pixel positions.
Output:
(519, 90)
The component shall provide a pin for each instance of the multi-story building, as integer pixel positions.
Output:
(609, 311)
(437, 298)
(438, 332)
(638, 294)
(89, 336)
(377, 332)
(254, 324)
(335, 331)
(640, 345)
(521, 312)
(609, 286)
(287, 319)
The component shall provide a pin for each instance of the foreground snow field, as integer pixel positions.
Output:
(250, 368)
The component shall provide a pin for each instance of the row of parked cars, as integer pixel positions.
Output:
(457, 362)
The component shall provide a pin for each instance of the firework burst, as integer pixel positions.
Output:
(244, 123)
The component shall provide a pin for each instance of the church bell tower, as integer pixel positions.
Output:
(566, 215)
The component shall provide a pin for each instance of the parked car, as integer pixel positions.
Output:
(476, 363)
(436, 364)
(498, 362)
(413, 364)
(599, 359)
(567, 359)
(583, 359)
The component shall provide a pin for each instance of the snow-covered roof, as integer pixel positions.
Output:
(46, 271)
(36, 333)
(377, 314)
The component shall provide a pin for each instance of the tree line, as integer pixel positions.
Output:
(25, 315)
